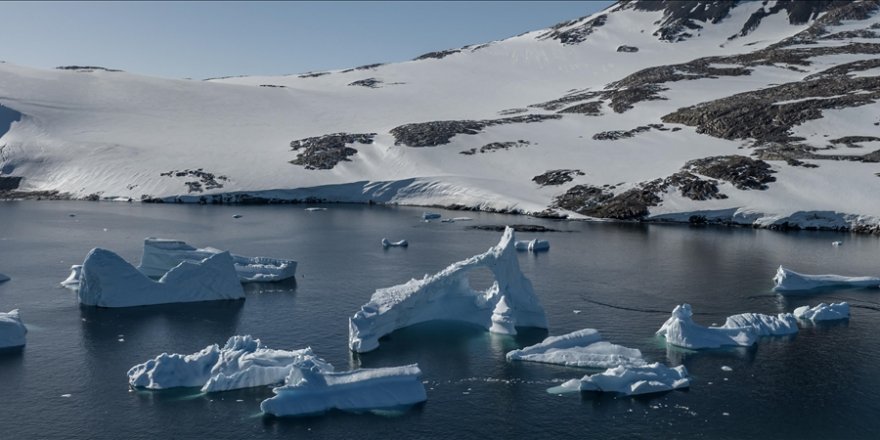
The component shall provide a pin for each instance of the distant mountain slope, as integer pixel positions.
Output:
(746, 112)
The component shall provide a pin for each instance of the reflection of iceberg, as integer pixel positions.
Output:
(12, 330)
(109, 281)
(447, 295)
(628, 380)
(311, 391)
(72, 281)
(243, 362)
(160, 255)
(787, 280)
(823, 312)
(582, 348)
(401, 243)
(739, 330)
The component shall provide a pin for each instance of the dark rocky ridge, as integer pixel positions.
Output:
(324, 152)
(87, 68)
(204, 180)
(556, 177)
(574, 35)
(432, 134)
(496, 146)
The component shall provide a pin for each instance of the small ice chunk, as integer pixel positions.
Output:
(447, 220)
(726, 368)
(4, 278)
(430, 215)
(823, 312)
(629, 380)
(836, 243)
(788, 280)
(462, 219)
(65, 395)
(386, 243)
(739, 330)
(315, 209)
(581, 348)
(12, 330)
(576, 311)
(308, 391)
(72, 281)
(236, 215)
(532, 245)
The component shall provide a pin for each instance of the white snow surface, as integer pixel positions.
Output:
(823, 312)
(581, 348)
(629, 380)
(790, 281)
(311, 391)
(447, 295)
(107, 280)
(244, 362)
(94, 132)
(12, 330)
(160, 255)
(738, 330)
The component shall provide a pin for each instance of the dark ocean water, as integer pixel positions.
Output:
(624, 278)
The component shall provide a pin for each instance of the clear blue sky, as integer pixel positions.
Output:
(209, 39)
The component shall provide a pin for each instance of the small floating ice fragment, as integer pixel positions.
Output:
(315, 208)
(532, 245)
(576, 311)
(430, 215)
(236, 215)
(386, 243)
(447, 220)
(726, 368)
(823, 312)
(12, 330)
(65, 395)
(836, 243)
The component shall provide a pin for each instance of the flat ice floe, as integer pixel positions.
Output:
(738, 330)
(629, 380)
(160, 255)
(581, 348)
(311, 391)
(109, 281)
(823, 312)
(244, 362)
(789, 280)
(447, 295)
(12, 330)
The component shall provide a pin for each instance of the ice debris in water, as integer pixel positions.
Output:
(532, 245)
(739, 330)
(788, 280)
(823, 312)
(386, 243)
(629, 380)
(581, 348)
(12, 330)
(109, 281)
(430, 215)
(447, 295)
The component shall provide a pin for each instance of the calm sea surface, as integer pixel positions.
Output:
(70, 381)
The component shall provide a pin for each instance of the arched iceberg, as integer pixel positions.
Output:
(161, 254)
(109, 281)
(12, 330)
(447, 295)
(738, 330)
(789, 280)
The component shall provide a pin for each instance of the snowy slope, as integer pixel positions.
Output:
(114, 134)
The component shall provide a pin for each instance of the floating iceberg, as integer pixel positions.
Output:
(12, 330)
(243, 362)
(461, 219)
(788, 280)
(447, 295)
(823, 312)
(430, 215)
(532, 245)
(582, 348)
(311, 391)
(401, 243)
(160, 255)
(836, 243)
(314, 209)
(738, 330)
(72, 281)
(109, 281)
(3, 278)
(629, 380)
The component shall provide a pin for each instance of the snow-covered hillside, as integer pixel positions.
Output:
(747, 112)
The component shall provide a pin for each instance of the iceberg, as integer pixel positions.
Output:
(310, 391)
(109, 281)
(789, 280)
(244, 362)
(72, 281)
(629, 380)
(4, 278)
(12, 330)
(401, 243)
(510, 302)
(823, 312)
(738, 330)
(160, 255)
(581, 348)
(430, 215)
(532, 245)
